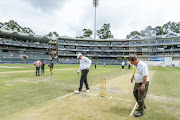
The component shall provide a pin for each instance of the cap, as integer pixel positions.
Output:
(79, 54)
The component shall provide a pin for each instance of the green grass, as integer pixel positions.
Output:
(23, 91)
(166, 82)
(20, 95)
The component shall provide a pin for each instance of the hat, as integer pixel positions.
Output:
(79, 54)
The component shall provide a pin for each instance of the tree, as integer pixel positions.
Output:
(133, 33)
(1, 24)
(143, 33)
(177, 29)
(105, 32)
(170, 26)
(159, 30)
(12, 25)
(149, 30)
(51, 34)
(87, 33)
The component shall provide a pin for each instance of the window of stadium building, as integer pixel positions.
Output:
(85, 42)
(126, 43)
(153, 42)
(96, 43)
(176, 40)
(139, 42)
(91, 43)
(146, 42)
(72, 47)
(132, 43)
(168, 41)
(60, 41)
(160, 41)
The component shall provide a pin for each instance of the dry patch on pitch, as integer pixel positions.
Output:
(35, 80)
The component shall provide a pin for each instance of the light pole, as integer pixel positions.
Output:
(95, 4)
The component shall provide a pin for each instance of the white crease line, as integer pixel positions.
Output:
(147, 95)
(121, 99)
(114, 91)
(133, 109)
(65, 96)
(163, 97)
(110, 97)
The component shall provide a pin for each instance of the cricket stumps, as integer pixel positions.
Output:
(103, 88)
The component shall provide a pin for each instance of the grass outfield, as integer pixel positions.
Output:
(23, 96)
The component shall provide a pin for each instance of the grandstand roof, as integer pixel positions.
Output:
(91, 39)
(25, 36)
(134, 38)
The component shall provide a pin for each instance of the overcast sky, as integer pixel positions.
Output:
(70, 17)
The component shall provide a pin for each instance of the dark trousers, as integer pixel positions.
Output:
(95, 66)
(122, 67)
(140, 95)
(129, 66)
(84, 79)
(37, 71)
(42, 70)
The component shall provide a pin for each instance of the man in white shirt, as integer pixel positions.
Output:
(123, 63)
(141, 78)
(85, 63)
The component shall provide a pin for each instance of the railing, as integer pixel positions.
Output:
(155, 44)
(98, 45)
(87, 50)
(24, 45)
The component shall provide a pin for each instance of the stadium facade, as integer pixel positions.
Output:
(154, 50)
(18, 47)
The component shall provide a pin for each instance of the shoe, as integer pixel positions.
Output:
(138, 108)
(77, 92)
(87, 91)
(138, 114)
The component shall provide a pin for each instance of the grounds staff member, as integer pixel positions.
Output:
(85, 63)
(141, 78)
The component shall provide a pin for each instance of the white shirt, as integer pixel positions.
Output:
(84, 63)
(123, 63)
(140, 72)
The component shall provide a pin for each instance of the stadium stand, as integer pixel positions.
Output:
(18, 47)
(24, 48)
(154, 50)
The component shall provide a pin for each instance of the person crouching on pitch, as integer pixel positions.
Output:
(141, 78)
(85, 63)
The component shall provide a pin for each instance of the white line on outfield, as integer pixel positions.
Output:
(65, 96)
(133, 109)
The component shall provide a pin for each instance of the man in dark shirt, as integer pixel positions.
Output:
(42, 67)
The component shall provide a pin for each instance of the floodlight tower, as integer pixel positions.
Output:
(95, 4)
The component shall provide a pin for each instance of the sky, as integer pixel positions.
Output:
(70, 17)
